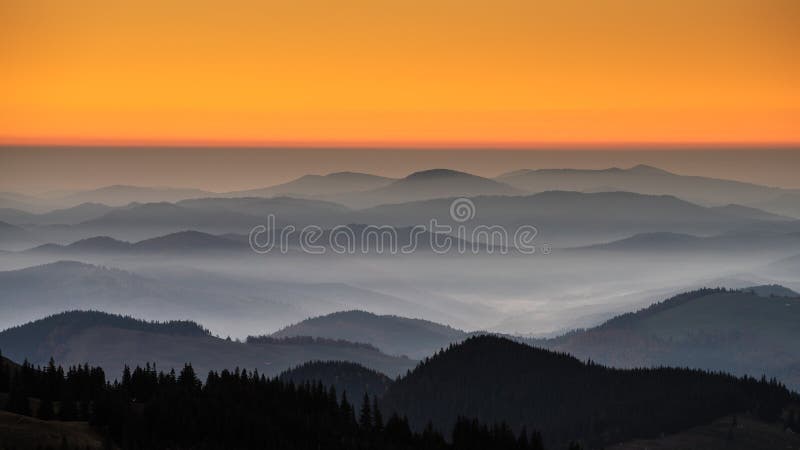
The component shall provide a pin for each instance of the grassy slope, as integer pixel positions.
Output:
(23, 433)
(748, 434)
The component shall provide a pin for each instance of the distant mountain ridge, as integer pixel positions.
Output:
(31, 338)
(422, 196)
(712, 329)
(119, 195)
(66, 216)
(772, 290)
(645, 179)
(365, 190)
(737, 331)
(425, 185)
(97, 338)
(395, 335)
(723, 243)
(318, 185)
(567, 218)
(218, 301)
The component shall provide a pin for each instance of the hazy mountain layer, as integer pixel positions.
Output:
(395, 335)
(650, 180)
(228, 304)
(319, 185)
(111, 342)
(714, 329)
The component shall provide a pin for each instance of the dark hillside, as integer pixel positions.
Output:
(496, 379)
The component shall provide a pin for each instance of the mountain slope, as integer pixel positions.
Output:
(574, 218)
(772, 290)
(111, 341)
(427, 184)
(737, 432)
(228, 304)
(319, 185)
(713, 329)
(345, 377)
(650, 180)
(13, 237)
(66, 216)
(395, 335)
(26, 433)
(494, 379)
(743, 242)
(118, 195)
(138, 221)
(40, 290)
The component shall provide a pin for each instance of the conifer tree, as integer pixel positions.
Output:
(377, 417)
(365, 419)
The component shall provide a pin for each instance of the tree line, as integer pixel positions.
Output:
(150, 409)
(489, 377)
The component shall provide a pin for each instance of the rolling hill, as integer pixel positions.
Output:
(112, 341)
(139, 221)
(119, 195)
(564, 218)
(786, 267)
(729, 243)
(394, 335)
(40, 290)
(493, 379)
(427, 184)
(13, 237)
(574, 218)
(739, 332)
(228, 304)
(66, 216)
(644, 179)
(772, 290)
(345, 377)
(319, 186)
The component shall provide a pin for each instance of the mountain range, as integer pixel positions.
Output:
(645, 179)
(97, 338)
(488, 377)
(563, 218)
(741, 332)
(362, 190)
(426, 185)
(750, 331)
(579, 216)
(319, 186)
(394, 335)
(223, 302)
(730, 243)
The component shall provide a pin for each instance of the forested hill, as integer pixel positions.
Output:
(26, 341)
(345, 377)
(496, 379)
(236, 409)
(394, 335)
(752, 331)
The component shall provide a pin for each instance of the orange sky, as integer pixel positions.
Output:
(399, 72)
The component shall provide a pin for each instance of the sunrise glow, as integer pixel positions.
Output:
(504, 73)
